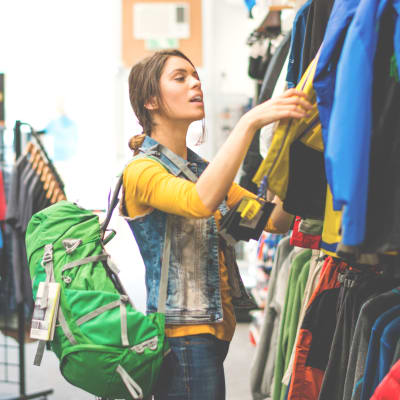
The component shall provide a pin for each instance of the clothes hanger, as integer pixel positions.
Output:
(36, 160)
(40, 167)
(55, 195)
(33, 153)
(61, 196)
(49, 179)
(50, 190)
(29, 148)
(45, 173)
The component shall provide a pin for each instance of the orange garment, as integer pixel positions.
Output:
(147, 186)
(306, 379)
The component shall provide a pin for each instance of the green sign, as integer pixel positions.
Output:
(161, 44)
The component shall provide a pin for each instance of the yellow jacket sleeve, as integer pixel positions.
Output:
(149, 185)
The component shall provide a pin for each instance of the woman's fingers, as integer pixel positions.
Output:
(299, 101)
(293, 92)
(290, 111)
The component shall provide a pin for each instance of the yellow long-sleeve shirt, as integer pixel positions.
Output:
(148, 186)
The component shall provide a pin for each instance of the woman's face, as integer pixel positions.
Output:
(181, 92)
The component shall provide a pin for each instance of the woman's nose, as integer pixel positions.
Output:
(195, 82)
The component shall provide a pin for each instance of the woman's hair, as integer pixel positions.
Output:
(144, 86)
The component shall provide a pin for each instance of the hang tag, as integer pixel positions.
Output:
(44, 318)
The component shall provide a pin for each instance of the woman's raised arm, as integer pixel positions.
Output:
(215, 181)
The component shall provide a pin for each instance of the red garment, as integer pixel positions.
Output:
(389, 388)
(307, 380)
(304, 240)
(3, 204)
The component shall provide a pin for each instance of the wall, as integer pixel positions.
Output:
(63, 56)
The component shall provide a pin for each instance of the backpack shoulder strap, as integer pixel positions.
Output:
(148, 153)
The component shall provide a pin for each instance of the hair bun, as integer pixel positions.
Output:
(135, 142)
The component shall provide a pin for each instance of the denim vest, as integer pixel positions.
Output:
(193, 294)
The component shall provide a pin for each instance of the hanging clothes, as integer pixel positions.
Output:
(283, 162)
(383, 213)
(317, 19)
(325, 74)
(262, 369)
(33, 187)
(288, 326)
(316, 265)
(370, 379)
(370, 312)
(253, 158)
(295, 68)
(303, 238)
(316, 332)
(347, 169)
(274, 69)
(390, 385)
(7, 293)
(356, 289)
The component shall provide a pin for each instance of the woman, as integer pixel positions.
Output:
(171, 188)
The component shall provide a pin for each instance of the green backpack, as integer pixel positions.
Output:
(104, 345)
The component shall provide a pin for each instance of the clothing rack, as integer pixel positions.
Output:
(21, 317)
(33, 134)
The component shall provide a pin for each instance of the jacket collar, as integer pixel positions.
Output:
(193, 158)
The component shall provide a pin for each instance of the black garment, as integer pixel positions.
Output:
(258, 64)
(36, 200)
(350, 302)
(253, 158)
(320, 320)
(16, 197)
(317, 20)
(250, 164)
(383, 211)
(26, 196)
(306, 190)
(7, 288)
(274, 69)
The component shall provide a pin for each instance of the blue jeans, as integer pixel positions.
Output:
(194, 369)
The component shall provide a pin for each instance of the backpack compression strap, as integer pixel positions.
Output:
(47, 264)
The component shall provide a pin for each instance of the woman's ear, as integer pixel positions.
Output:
(152, 104)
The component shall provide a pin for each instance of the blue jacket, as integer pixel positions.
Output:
(193, 294)
(370, 378)
(389, 339)
(325, 74)
(295, 71)
(349, 132)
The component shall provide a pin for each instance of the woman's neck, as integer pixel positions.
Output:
(172, 135)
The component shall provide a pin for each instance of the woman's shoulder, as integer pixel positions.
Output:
(140, 164)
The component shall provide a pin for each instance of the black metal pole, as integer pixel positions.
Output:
(21, 341)
(21, 305)
(17, 139)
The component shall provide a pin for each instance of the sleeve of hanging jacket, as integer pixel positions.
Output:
(348, 144)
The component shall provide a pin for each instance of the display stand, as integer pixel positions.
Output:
(12, 322)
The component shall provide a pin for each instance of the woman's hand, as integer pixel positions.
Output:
(216, 180)
(291, 104)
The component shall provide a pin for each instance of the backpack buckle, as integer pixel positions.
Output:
(47, 257)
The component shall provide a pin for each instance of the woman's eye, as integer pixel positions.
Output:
(180, 78)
